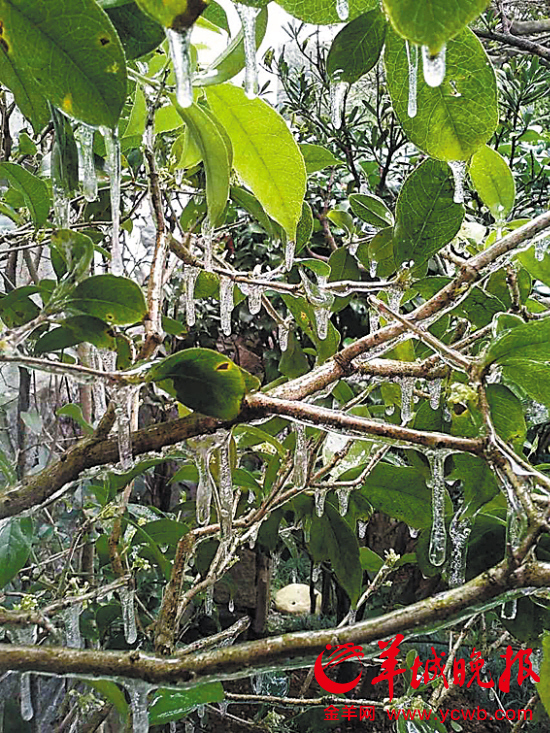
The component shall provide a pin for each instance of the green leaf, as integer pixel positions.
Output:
(371, 209)
(343, 266)
(343, 220)
(169, 704)
(15, 547)
(205, 381)
(478, 482)
(333, 539)
(33, 189)
(494, 181)
(138, 33)
(305, 318)
(112, 693)
(539, 269)
(432, 22)
(357, 47)
(113, 299)
(455, 118)
(76, 251)
(73, 54)
(304, 229)
(177, 14)
(531, 341)
(74, 411)
(507, 414)
(316, 157)
(266, 155)
(323, 12)
(379, 251)
(16, 308)
(293, 362)
(162, 532)
(426, 217)
(543, 686)
(370, 560)
(76, 330)
(28, 96)
(216, 156)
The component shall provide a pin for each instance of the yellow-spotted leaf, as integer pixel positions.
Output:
(266, 156)
(116, 300)
(494, 181)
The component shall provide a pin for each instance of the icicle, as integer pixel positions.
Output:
(189, 727)
(394, 298)
(433, 67)
(290, 247)
(316, 573)
(231, 605)
(413, 532)
(190, 275)
(283, 331)
(541, 248)
(223, 706)
(123, 399)
(253, 535)
(173, 726)
(320, 299)
(255, 293)
(320, 496)
(179, 42)
(390, 409)
(205, 487)
(71, 621)
(27, 711)
(112, 145)
(61, 207)
(342, 8)
(226, 488)
(209, 601)
(248, 15)
(374, 320)
(407, 387)
(509, 609)
(352, 616)
(299, 475)
(373, 267)
(362, 529)
(412, 58)
(438, 538)
(337, 101)
(459, 532)
(84, 137)
(126, 596)
(207, 231)
(434, 390)
(227, 286)
(458, 169)
(139, 690)
(343, 500)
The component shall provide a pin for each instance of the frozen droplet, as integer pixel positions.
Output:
(84, 136)
(343, 495)
(71, 621)
(226, 488)
(509, 609)
(283, 331)
(320, 496)
(458, 169)
(337, 101)
(179, 42)
(433, 66)
(209, 601)
(126, 595)
(248, 15)
(27, 711)
(231, 605)
(290, 246)
(112, 145)
(342, 8)
(362, 529)
(139, 691)
(299, 475)
(207, 231)
(255, 293)
(407, 387)
(390, 409)
(413, 532)
(434, 390)
(459, 533)
(438, 537)
(412, 59)
(190, 275)
(61, 206)
(227, 286)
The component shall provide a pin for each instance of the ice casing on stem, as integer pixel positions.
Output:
(248, 15)
(179, 42)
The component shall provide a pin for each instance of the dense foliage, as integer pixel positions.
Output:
(250, 340)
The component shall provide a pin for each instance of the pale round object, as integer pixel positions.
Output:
(294, 598)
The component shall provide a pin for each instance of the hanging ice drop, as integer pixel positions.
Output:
(84, 137)
(343, 500)
(112, 145)
(283, 331)
(459, 532)
(123, 399)
(300, 456)
(509, 609)
(458, 169)
(190, 275)
(139, 691)
(412, 59)
(433, 66)
(226, 304)
(290, 246)
(209, 600)
(71, 621)
(207, 231)
(254, 299)
(438, 537)
(434, 390)
(126, 596)
(61, 206)
(226, 487)
(179, 42)
(337, 101)
(248, 15)
(407, 387)
(342, 8)
(320, 496)
(205, 487)
(27, 711)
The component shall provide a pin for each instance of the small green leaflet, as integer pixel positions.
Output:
(357, 47)
(15, 547)
(494, 182)
(33, 189)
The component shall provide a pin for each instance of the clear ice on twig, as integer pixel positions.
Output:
(179, 42)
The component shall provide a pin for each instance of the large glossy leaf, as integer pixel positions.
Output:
(26, 91)
(216, 155)
(76, 330)
(357, 47)
(113, 299)
(73, 54)
(170, 704)
(426, 217)
(33, 189)
(494, 181)
(177, 14)
(455, 118)
(432, 22)
(205, 381)
(266, 156)
(138, 33)
(15, 547)
(323, 12)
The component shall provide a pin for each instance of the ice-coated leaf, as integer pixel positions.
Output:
(316, 157)
(176, 14)
(432, 22)
(73, 54)
(33, 189)
(426, 217)
(266, 156)
(113, 299)
(216, 154)
(494, 181)
(205, 381)
(456, 118)
(76, 330)
(371, 209)
(74, 411)
(324, 12)
(139, 34)
(15, 547)
(357, 47)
